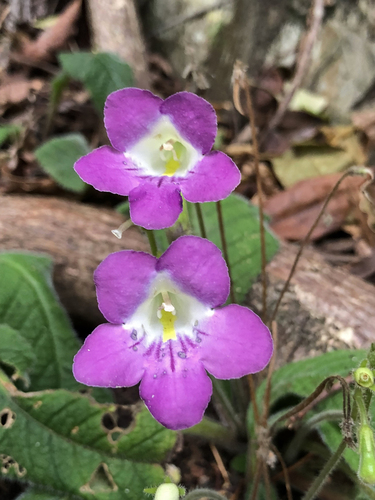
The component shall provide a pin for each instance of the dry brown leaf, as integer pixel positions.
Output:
(53, 38)
(294, 211)
(367, 199)
(296, 226)
(365, 121)
(16, 88)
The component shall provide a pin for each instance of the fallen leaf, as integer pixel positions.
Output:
(54, 37)
(367, 200)
(16, 88)
(365, 121)
(294, 211)
(295, 227)
(304, 161)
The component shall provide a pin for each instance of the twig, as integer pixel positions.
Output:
(314, 395)
(241, 82)
(225, 248)
(256, 481)
(317, 13)
(271, 368)
(307, 239)
(285, 472)
(221, 466)
(267, 481)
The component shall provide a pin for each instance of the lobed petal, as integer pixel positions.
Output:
(194, 119)
(176, 391)
(123, 282)
(155, 205)
(107, 170)
(129, 115)
(212, 179)
(234, 342)
(198, 268)
(108, 358)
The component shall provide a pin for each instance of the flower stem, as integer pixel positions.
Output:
(325, 472)
(230, 413)
(200, 220)
(254, 138)
(225, 248)
(152, 241)
(204, 493)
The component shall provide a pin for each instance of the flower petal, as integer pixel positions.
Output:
(123, 282)
(198, 268)
(175, 390)
(193, 117)
(129, 114)
(212, 179)
(234, 342)
(109, 358)
(155, 206)
(107, 170)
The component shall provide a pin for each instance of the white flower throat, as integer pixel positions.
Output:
(167, 313)
(163, 152)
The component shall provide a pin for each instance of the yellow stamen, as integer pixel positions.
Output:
(167, 319)
(172, 152)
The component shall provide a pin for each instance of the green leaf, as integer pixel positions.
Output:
(9, 132)
(56, 441)
(101, 73)
(241, 225)
(57, 157)
(35, 494)
(301, 378)
(29, 305)
(16, 352)
(58, 84)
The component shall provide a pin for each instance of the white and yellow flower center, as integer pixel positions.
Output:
(167, 313)
(163, 152)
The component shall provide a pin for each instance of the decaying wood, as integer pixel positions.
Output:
(325, 308)
(116, 28)
(77, 236)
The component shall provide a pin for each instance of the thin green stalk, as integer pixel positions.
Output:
(325, 472)
(204, 493)
(225, 248)
(152, 241)
(358, 398)
(230, 412)
(202, 228)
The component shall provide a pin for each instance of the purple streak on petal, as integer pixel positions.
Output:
(180, 392)
(129, 114)
(193, 117)
(153, 206)
(107, 170)
(238, 343)
(107, 358)
(123, 282)
(198, 268)
(212, 179)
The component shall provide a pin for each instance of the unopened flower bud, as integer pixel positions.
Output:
(366, 470)
(364, 377)
(167, 491)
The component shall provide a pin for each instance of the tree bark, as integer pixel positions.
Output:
(116, 28)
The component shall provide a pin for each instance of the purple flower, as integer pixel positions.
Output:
(160, 150)
(166, 332)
